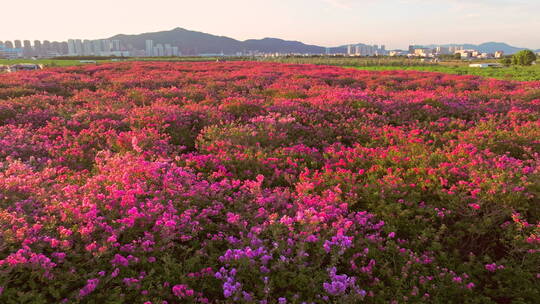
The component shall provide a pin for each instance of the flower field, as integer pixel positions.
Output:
(246, 182)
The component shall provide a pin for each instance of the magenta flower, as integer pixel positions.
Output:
(182, 291)
(493, 267)
(90, 286)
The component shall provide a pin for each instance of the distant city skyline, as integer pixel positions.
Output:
(396, 23)
(174, 42)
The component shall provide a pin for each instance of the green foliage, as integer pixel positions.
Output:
(520, 73)
(525, 57)
(506, 61)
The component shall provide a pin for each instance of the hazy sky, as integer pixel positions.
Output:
(396, 23)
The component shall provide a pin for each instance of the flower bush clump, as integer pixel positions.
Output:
(262, 183)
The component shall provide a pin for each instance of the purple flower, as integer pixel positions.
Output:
(265, 258)
(341, 241)
(119, 260)
(247, 296)
(282, 301)
(339, 283)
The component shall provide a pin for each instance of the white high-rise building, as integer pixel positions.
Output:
(71, 47)
(87, 48)
(149, 48)
(350, 50)
(96, 47)
(116, 45)
(366, 50)
(441, 50)
(78, 47)
(107, 46)
(158, 50)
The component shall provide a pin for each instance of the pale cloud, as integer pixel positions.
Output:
(484, 4)
(455, 4)
(347, 3)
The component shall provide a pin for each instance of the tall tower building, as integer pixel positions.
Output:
(64, 48)
(87, 47)
(350, 49)
(96, 47)
(158, 50)
(38, 48)
(149, 48)
(18, 44)
(106, 45)
(78, 47)
(116, 45)
(46, 46)
(56, 47)
(71, 47)
(27, 46)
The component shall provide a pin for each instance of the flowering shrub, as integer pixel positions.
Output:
(267, 183)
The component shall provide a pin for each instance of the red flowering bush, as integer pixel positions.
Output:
(261, 183)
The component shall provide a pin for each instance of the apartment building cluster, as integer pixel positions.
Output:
(37, 48)
(416, 51)
(101, 47)
(160, 50)
(77, 47)
(72, 47)
(475, 54)
(366, 50)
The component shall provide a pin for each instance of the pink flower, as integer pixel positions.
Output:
(474, 206)
(232, 218)
(493, 267)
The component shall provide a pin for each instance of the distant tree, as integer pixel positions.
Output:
(525, 57)
(457, 56)
(506, 61)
